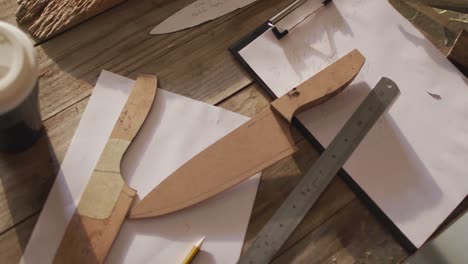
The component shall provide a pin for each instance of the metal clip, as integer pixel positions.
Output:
(278, 17)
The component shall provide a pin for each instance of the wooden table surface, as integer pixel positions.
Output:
(197, 64)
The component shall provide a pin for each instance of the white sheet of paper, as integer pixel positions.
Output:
(199, 12)
(413, 163)
(176, 129)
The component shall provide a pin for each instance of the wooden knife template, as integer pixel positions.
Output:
(107, 198)
(249, 149)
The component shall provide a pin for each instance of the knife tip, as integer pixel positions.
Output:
(157, 32)
(135, 212)
(140, 210)
(135, 209)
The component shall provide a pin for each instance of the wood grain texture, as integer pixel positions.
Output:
(320, 87)
(434, 31)
(13, 241)
(25, 181)
(23, 194)
(7, 11)
(71, 63)
(440, 27)
(448, 26)
(47, 18)
(107, 198)
(458, 55)
(194, 62)
(248, 102)
(454, 5)
(275, 185)
(352, 235)
(276, 181)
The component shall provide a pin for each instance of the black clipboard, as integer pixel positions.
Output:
(360, 193)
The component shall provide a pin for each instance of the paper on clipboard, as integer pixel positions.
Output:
(413, 162)
(176, 129)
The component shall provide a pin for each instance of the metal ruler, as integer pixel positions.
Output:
(306, 193)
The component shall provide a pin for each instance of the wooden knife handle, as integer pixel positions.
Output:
(326, 84)
(136, 109)
(107, 198)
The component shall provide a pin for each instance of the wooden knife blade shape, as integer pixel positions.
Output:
(249, 149)
(107, 198)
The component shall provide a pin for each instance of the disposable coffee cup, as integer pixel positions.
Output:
(20, 119)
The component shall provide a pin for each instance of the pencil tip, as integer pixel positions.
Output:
(200, 242)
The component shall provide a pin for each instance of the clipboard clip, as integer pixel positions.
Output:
(280, 33)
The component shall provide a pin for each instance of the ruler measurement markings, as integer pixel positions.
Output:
(308, 190)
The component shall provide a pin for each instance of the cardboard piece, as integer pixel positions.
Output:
(107, 198)
(322, 86)
(254, 146)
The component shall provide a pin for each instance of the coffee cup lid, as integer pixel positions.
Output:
(18, 67)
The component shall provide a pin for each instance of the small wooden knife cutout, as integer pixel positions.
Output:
(107, 198)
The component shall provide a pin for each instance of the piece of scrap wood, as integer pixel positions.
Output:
(453, 5)
(458, 55)
(47, 18)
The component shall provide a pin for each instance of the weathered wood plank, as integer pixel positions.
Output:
(353, 235)
(46, 18)
(20, 194)
(57, 85)
(195, 62)
(7, 11)
(458, 55)
(64, 51)
(248, 102)
(26, 178)
(117, 40)
(25, 189)
(14, 241)
(277, 180)
(29, 198)
(454, 5)
(433, 31)
(68, 92)
(440, 28)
